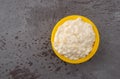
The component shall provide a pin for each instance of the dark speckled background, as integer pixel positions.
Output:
(25, 49)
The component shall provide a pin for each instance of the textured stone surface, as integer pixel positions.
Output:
(25, 49)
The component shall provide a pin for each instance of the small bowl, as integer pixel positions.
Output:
(95, 46)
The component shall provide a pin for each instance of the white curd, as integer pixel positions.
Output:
(74, 39)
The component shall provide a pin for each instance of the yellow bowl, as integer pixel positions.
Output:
(95, 46)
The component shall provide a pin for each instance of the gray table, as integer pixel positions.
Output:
(25, 29)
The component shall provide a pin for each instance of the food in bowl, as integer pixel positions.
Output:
(74, 39)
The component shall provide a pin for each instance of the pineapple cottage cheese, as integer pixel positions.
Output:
(74, 39)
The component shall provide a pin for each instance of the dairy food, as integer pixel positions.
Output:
(74, 39)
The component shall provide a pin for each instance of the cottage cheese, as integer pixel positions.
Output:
(74, 39)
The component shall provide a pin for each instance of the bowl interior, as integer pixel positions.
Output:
(95, 46)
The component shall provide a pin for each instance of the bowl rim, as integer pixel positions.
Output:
(95, 46)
